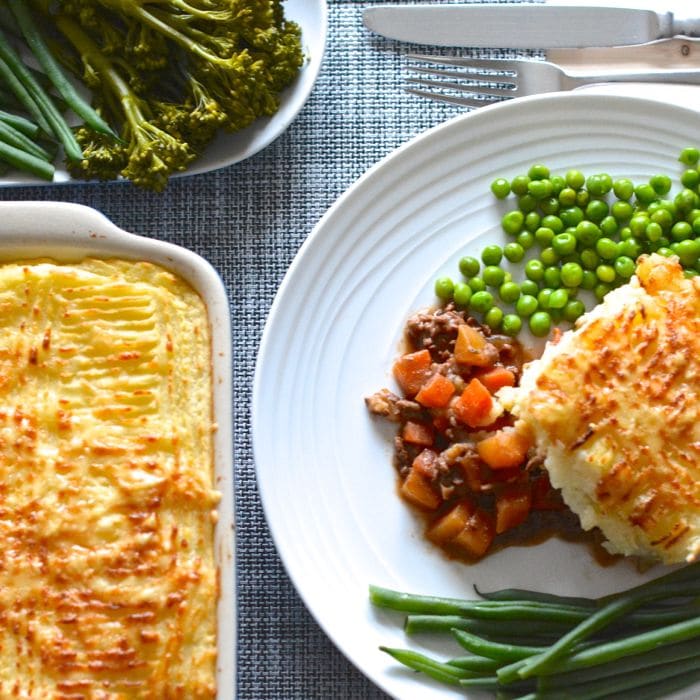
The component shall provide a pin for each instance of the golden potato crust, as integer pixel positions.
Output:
(108, 583)
(614, 405)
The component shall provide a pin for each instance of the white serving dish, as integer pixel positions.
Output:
(70, 232)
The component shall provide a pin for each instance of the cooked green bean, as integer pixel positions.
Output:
(16, 138)
(16, 121)
(26, 161)
(495, 650)
(430, 667)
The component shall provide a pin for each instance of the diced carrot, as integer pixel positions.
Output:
(472, 348)
(416, 489)
(451, 524)
(504, 449)
(513, 506)
(496, 378)
(544, 495)
(436, 392)
(418, 433)
(474, 405)
(411, 371)
(477, 535)
(425, 463)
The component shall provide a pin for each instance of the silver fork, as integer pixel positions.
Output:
(478, 82)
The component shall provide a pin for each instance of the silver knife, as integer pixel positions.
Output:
(525, 26)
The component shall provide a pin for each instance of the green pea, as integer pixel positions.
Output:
(482, 301)
(688, 251)
(567, 197)
(605, 273)
(552, 222)
(583, 197)
(549, 205)
(571, 216)
(543, 297)
(689, 273)
(538, 172)
(589, 259)
(663, 218)
(630, 247)
(686, 200)
(609, 226)
(512, 325)
(696, 226)
(573, 310)
(625, 233)
(512, 222)
(666, 252)
(571, 274)
(525, 240)
(444, 288)
(552, 276)
(518, 185)
(638, 224)
(544, 236)
(462, 294)
(661, 184)
(622, 211)
(493, 318)
(689, 156)
(606, 248)
(600, 290)
(509, 292)
(469, 266)
(526, 305)
(527, 203)
(599, 185)
(528, 287)
(493, 276)
(476, 284)
(532, 221)
(540, 324)
(589, 280)
(624, 267)
(564, 244)
(492, 255)
(540, 189)
(558, 184)
(681, 230)
(653, 232)
(534, 270)
(513, 252)
(575, 179)
(645, 193)
(597, 210)
(500, 187)
(558, 299)
(623, 188)
(549, 256)
(587, 233)
(690, 178)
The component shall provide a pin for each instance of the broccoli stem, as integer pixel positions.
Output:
(64, 87)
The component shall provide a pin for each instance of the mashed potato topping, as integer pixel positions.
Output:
(614, 407)
(108, 584)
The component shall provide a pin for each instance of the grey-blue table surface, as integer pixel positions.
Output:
(249, 220)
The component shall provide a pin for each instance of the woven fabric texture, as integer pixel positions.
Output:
(249, 220)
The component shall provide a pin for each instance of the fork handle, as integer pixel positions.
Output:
(687, 77)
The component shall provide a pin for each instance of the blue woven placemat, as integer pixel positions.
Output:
(249, 220)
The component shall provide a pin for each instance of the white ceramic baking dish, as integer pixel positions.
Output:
(70, 232)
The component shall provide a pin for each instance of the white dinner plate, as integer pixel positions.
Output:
(227, 149)
(323, 464)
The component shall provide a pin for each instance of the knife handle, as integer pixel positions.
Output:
(686, 77)
(679, 52)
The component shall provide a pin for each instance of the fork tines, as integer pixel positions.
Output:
(477, 82)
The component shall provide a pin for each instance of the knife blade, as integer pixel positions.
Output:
(525, 26)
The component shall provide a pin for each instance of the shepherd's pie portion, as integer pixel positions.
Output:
(614, 408)
(108, 583)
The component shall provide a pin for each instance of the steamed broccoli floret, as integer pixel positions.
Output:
(168, 74)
